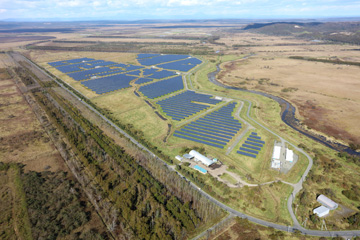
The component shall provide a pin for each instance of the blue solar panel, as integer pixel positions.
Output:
(108, 84)
(204, 135)
(143, 80)
(254, 136)
(212, 128)
(67, 62)
(255, 140)
(147, 55)
(255, 144)
(161, 59)
(249, 146)
(182, 65)
(253, 133)
(161, 88)
(208, 132)
(199, 141)
(246, 154)
(249, 150)
(161, 74)
(201, 138)
(150, 71)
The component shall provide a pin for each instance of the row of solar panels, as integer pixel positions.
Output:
(215, 129)
(252, 146)
(71, 61)
(186, 104)
(158, 59)
(182, 65)
(109, 84)
(163, 87)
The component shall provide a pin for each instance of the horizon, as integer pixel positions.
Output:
(114, 10)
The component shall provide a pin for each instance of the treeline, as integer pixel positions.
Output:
(178, 37)
(132, 48)
(138, 203)
(48, 205)
(335, 61)
(125, 43)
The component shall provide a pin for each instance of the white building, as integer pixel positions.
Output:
(327, 202)
(199, 157)
(321, 211)
(289, 155)
(179, 158)
(276, 153)
(275, 164)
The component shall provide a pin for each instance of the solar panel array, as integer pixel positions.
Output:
(252, 146)
(163, 87)
(86, 74)
(108, 84)
(67, 62)
(154, 60)
(184, 105)
(215, 129)
(143, 80)
(182, 65)
(147, 55)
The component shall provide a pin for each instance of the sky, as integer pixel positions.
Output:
(176, 9)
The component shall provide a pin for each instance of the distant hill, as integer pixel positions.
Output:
(346, 32)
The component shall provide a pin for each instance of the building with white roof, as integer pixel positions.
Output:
(289, 155)
(327, 202)
(321, 211)
(199, 157)
(276, 153)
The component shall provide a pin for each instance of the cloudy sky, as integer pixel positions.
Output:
(177, 9)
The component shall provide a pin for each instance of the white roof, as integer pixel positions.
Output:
(275, 164)
(289, 155)
(327, 202)
(321, 211)
(201, 158)
(276, 153)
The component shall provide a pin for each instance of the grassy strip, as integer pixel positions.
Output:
(20, 206)
(337, 61)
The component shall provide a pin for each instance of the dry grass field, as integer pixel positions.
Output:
(326, 95)
(22, 137)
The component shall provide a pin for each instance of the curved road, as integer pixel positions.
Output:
(297, 186)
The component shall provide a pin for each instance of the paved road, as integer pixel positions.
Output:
(297, 186)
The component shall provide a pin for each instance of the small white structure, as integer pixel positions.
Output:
(218, 98)
(289, 155)
(321, 211)
(179, 158)
(188, 156)
(327, 202)
(275, 164)
(199, 157)
(276, 153)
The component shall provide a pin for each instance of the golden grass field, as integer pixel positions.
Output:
(23, 139)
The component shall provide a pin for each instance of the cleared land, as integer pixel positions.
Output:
(326, 95)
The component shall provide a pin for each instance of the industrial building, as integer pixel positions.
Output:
(289, 155)
(276, 153)
(201, 158)
(327, 202)
(321, 211)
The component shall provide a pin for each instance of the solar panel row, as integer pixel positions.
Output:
(182, 65)
(147, 55)
(183, 105)
(67, 62)
(253, 145)
(212, 128)
(163, 87)
(108, 84)
(161, 59)
(143, 80)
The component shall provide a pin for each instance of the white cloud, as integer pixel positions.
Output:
(3, 10)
